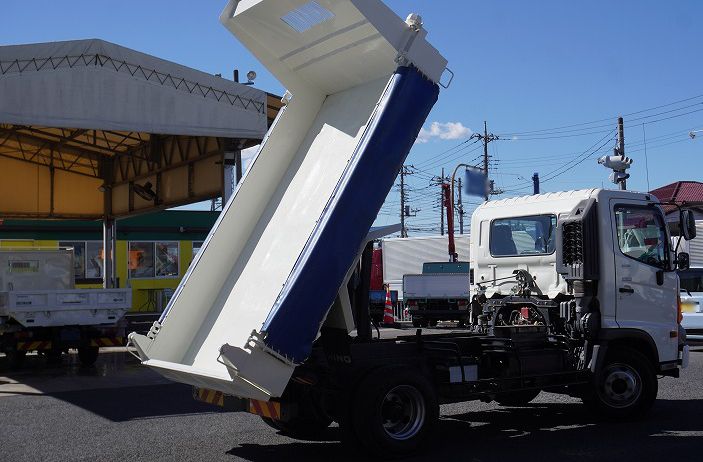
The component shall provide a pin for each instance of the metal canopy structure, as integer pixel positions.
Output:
(93, 130)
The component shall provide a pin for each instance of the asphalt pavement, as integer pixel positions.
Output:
(119, 410)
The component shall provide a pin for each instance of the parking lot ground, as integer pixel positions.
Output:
(119, 410)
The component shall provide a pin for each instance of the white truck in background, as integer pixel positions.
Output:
(41, 309)
(694, 247)
(407, 255)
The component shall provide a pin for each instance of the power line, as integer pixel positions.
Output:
(601, 120)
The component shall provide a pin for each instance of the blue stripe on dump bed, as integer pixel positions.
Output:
(295, 319)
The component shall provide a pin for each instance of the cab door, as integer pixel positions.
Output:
(645, 288)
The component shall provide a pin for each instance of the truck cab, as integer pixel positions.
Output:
(602, 256)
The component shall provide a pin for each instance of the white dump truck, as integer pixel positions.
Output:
(574, 292)
(41, 309)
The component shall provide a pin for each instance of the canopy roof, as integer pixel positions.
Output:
(93, 84)
(83, 121)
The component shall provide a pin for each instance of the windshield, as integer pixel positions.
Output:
(692, 280)
(532, 235)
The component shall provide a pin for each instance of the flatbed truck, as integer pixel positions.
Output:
(41, 310)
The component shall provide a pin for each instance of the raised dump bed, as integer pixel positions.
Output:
(362, 82)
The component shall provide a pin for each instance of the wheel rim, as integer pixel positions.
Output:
(621, 385)
(403, 412)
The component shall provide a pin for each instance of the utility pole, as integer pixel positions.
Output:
(405, 210)
(535, 183)
(485, 152)
(403, 232)
(460, 209)
(621, 147)
(486, 139)
(618, 162)
(441, 204)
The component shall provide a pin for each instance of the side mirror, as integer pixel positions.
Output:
(687, 225)
(682, 261)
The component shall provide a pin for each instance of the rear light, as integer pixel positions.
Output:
(679, 316)
(24, 334)
(412, 303)
(462, 302)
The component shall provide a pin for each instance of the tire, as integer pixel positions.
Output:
(88, 355)
(625, 388)
(15, 359)
(424, 322)
(53, 356)
(394, 412)
(270, 422)
(518, 398)
(417, 322)
(433, 322)
(305, 428)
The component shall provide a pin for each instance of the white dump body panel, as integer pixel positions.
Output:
(407, 255)
(77, 307)
(436, 286)
(337, 70)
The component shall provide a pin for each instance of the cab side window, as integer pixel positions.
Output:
(642, 234)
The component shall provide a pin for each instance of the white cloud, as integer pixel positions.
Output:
(444, 131)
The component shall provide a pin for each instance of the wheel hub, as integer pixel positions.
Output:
(402, 412)
(621, 386)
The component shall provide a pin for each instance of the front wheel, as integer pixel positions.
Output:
(625, 387)
(394, 411)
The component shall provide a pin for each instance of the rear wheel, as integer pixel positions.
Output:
(417, 322)
(394, 411)
(53, 356)
(88, 355)
(625, 387)
(15, 359)
(433, 322)
(302, 427)
(518, 398)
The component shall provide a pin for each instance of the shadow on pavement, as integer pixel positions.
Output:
(538, 432)
(116, 388)
(143, 402)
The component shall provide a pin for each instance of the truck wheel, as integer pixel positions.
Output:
(394, 411)
(518, 398)
(433, 322)
(417, 322)
(625, 387)
(15, 359)
(53, 356)
(270, 422)
(304, 428)
(88, 355)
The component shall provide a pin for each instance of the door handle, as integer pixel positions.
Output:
(626, 290)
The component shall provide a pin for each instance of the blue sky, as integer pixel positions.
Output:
(521, 66)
